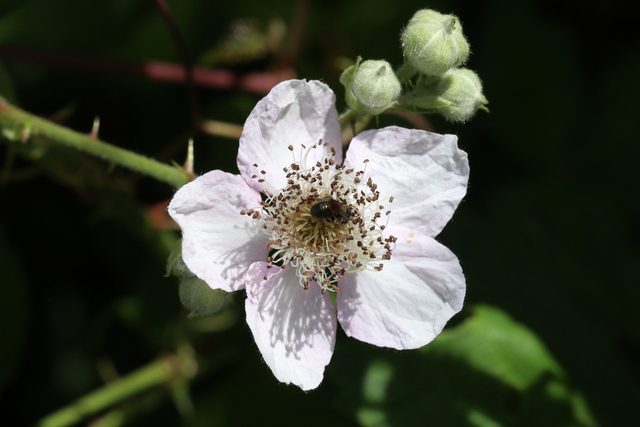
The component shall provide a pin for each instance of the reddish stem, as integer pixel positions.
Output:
(214, 78)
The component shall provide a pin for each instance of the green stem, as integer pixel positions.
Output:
(160, 372)
(13, 118)
(355, 121)
(347, 116)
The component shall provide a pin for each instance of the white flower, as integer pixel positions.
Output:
(273, 230)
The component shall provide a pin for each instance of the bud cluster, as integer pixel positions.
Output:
(434, 49)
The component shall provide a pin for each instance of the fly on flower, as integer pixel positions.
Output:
(298, 224)
(331, 210)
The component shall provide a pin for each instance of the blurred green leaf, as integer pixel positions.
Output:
(492, 343)
(488, 371)
(246, 41)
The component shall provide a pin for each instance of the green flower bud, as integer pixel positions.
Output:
(371, 86)
(194, 293)
(376, 86)
(461, 93)
(457, 95)
(433, 43)
(199, 298)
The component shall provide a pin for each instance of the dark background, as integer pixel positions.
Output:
(548, 234)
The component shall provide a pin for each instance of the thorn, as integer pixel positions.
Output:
(95, 128)
(25, 132)
(188, 163)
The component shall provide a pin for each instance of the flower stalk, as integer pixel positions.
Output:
(19, 124)
(160, 372)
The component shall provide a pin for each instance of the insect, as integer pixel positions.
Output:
(331, 210)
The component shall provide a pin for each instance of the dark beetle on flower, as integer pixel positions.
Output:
(331, 210)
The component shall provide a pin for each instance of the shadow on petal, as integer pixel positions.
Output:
(289, 323)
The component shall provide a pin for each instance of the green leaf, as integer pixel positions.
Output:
(488, 371)
(493, 343)
(247, 40)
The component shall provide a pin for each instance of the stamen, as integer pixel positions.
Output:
(345, 238)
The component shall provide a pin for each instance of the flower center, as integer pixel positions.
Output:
(324, 223)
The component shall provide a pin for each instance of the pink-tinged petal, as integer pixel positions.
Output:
(295, 112)
(426, 173)
(294, 328)
(218, 244)
(433, 262)
(407, 304)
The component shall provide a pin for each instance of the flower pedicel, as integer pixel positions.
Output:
(298, 224)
